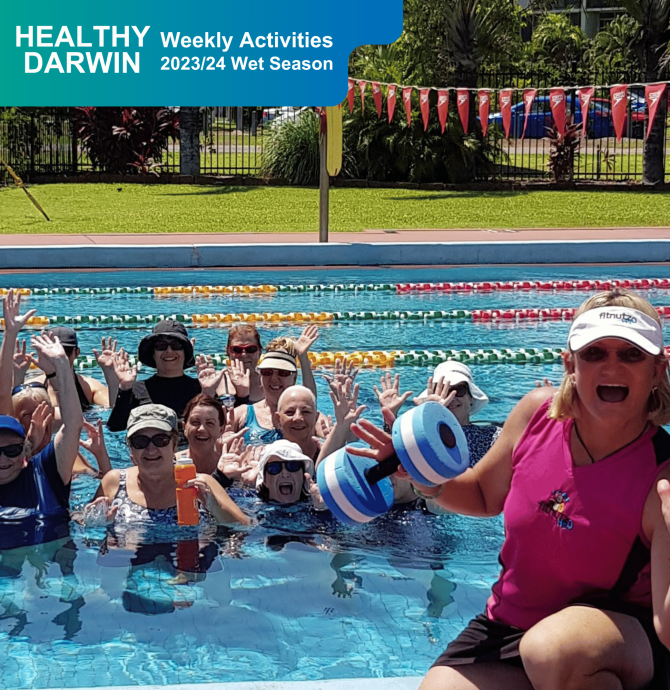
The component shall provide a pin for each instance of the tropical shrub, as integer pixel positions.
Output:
(562, 151)
(126, 140)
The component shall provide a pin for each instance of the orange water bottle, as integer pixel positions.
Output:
(187, 497)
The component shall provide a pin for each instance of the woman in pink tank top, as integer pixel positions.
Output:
(582, 476)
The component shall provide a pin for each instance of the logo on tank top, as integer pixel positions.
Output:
(555, 506)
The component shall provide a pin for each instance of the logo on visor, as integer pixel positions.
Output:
(624, 318)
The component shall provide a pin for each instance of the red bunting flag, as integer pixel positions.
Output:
(528, 98)
(463, 103)
(585, 96)
(377, 96)
(407, 102)
(361, 88)
(505, 98)
(484, 106)
(424, 101)
(350, 95)
(443, 108)
(391, 100)
(653, 94)
(557, 104)
(619, 96)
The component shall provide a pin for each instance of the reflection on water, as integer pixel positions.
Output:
(297, 597)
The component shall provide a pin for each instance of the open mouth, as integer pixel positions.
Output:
(285, 489)
(612, 394)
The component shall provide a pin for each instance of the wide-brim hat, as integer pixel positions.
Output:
(457, 372)
(283, 450)
(167, 328)
(276, 359)
(623, 323)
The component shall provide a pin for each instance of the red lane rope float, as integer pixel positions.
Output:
(558, 285)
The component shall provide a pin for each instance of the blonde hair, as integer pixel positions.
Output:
(565, 403)
(282, 345)
(38, 394)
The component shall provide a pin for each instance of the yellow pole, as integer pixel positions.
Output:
(21, 185)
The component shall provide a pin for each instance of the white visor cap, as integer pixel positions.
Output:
(623, 323)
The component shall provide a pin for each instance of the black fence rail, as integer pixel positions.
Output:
(600, 156)
(44, 141)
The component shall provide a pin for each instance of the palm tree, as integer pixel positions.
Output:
(189, 141)
(651, 46)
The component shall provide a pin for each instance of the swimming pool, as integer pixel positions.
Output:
(297, 597)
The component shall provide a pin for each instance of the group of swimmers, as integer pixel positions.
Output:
(581, 473)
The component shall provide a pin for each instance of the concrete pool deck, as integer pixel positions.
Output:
(368, 248)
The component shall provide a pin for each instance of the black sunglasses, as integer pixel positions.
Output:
(275, 466)
(12, 451)
(629, 355)
(140, 442)
(461, 389)
(162, 345)
(241, 349)
(30, 384)
(280, 372)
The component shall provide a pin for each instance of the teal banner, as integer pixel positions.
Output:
(78, 52)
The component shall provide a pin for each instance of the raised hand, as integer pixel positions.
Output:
(95, 444)
(545, 383)
(314, 493)
(98, 512)
(389, 396)
(345, 370)
(22, 361)
(440, 394)
(105, 357)
(126, 374)
(345, 402)
(234, 463)
(307, 338)
(40, 424)
(14, 321)
(324, 425)
(379, 441)
(240, 377)
(49, 351)
(208, 377)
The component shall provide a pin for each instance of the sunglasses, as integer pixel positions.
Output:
(461, 389)
(275, 466)
(159, 440)
(280, 372)
(30, 384)
(12, 451)
(241, 349)
(174, 345)
(629, 355)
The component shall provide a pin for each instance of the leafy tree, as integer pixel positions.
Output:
(557, 43)
(611, 49)
(650, 44)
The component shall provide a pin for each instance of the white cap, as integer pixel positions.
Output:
(282, 450)
(457, 372)
(623, 323)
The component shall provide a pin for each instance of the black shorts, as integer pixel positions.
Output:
(484, 640)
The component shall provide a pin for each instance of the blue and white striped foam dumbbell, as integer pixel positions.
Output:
(429, 443)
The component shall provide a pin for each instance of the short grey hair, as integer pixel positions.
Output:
(295, 389)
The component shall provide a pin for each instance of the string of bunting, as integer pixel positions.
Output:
(654, 93)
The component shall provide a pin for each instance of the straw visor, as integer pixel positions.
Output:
(623, 323)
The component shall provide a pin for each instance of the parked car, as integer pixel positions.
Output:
(540, 119)
(282, 113)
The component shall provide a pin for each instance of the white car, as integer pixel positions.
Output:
(283, 114)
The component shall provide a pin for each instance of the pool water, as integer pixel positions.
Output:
(297, 596)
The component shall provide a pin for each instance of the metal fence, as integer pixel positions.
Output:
(600, 156)
(43, 141)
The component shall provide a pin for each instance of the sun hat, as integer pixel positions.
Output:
(66, 335)
(276, 359)
(283, 450)
(457, 372)
(166, 328)
(623, 323)
(8, 423)
(151, 416)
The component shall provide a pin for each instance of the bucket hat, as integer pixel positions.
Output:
(166, 328)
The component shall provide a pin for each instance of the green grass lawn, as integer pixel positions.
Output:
(131, 208)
